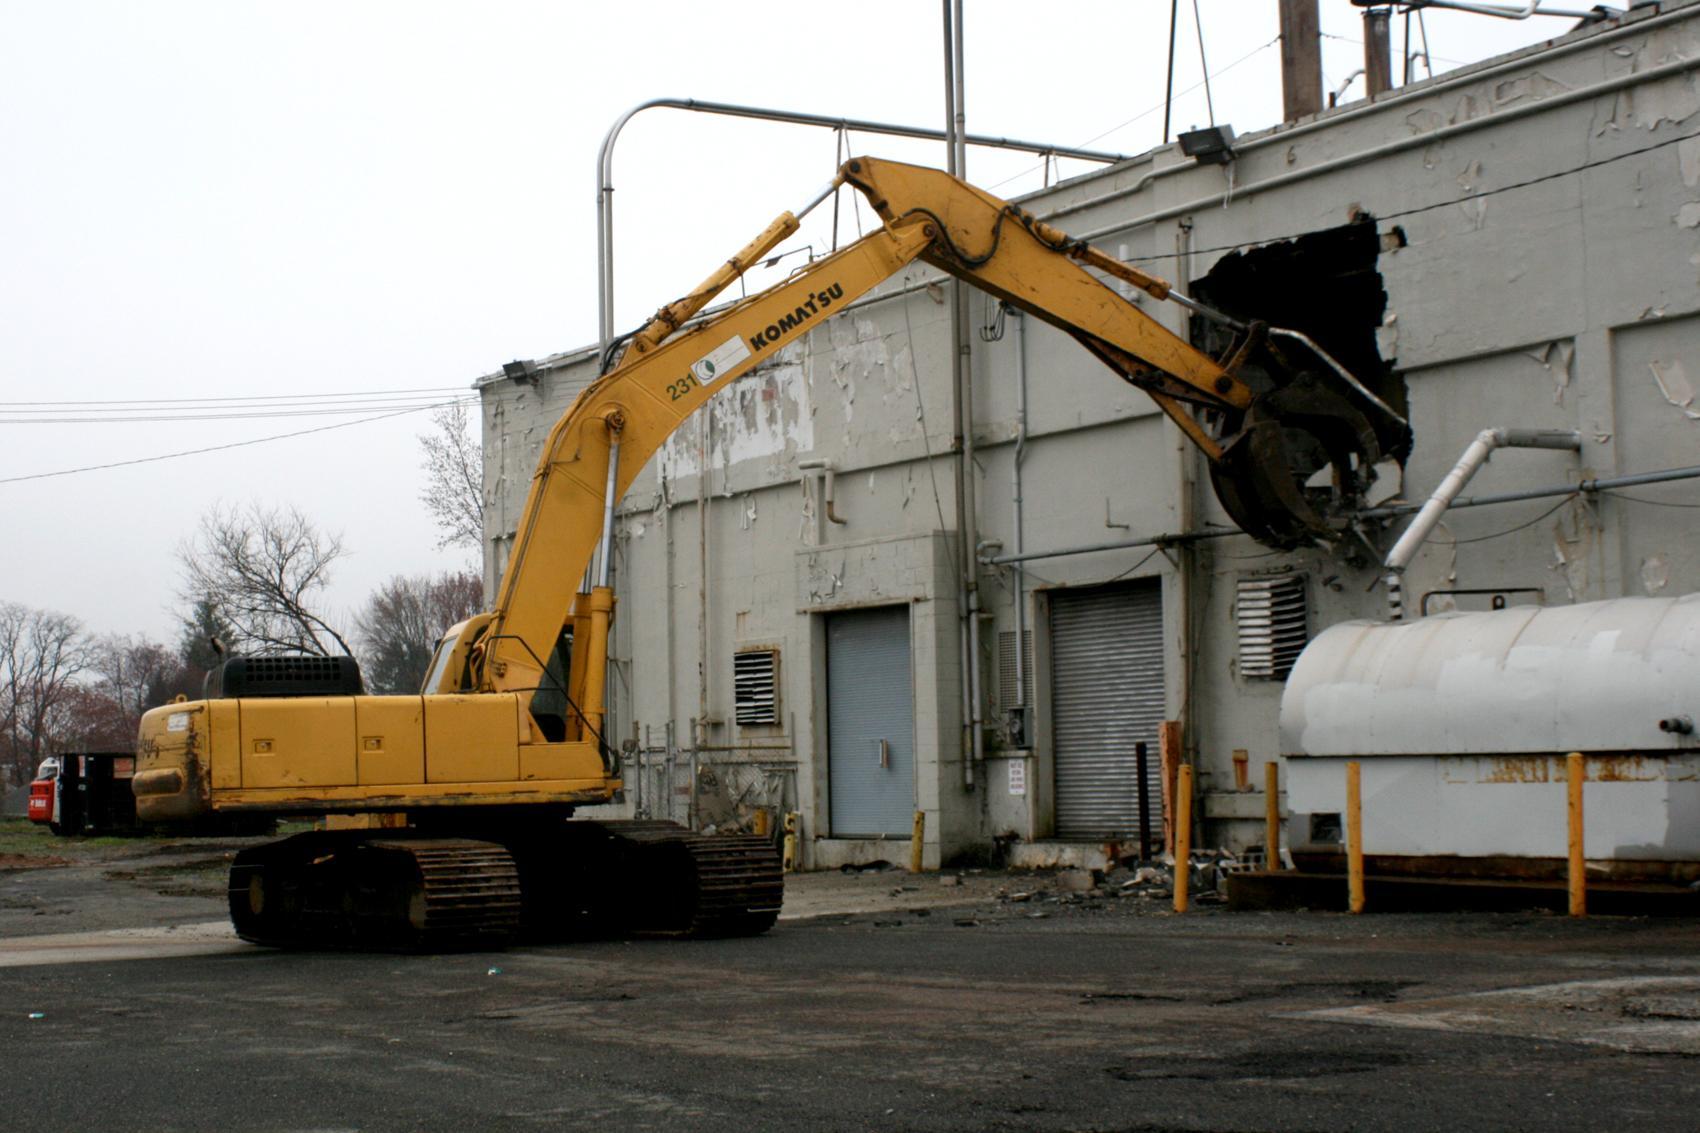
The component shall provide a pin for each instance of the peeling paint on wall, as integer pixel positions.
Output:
(1655, 573)
(1575, 538)
(1468, 181)
(1673, 99)
(823, 582)
(762, 416)
(1531, 87)
(860, 357)
(1556, 358)
(1674, 384)
(1688, 159)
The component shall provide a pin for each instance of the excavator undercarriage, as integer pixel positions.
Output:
(408, 890)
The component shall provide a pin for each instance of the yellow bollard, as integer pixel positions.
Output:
(1576, 773)
(1271, 816)
(1183, 834)
(1354, 839)
(759, 822)
(915, 841)
(789, 863)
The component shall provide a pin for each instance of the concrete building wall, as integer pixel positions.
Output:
(1539, 225)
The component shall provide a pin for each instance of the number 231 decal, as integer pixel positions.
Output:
(678, 389)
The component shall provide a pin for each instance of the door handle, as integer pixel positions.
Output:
(884, 747)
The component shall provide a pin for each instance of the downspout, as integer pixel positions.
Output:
(1468, 465)
(1021, 699)
(699, 726)
(828, 488)
(1184, 559)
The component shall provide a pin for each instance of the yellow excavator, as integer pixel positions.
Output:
(478, 776)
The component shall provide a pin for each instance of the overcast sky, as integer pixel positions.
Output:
(242, 201)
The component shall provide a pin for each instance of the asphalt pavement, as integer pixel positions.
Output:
(1001, 1003)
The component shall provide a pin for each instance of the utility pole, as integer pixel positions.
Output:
(1301, 59)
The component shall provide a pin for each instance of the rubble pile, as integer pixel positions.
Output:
(1130, 878)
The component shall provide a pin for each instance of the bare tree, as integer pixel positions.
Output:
(42, 653)
(266, 568)
(454, 478)
(130, 677)
(402, 621)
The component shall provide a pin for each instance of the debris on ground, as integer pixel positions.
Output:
(1130, 878)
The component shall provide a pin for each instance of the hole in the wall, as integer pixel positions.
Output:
(1324, 285)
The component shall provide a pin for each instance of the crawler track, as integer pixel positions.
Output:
(702, 885)
(406, 891)
(347, 890)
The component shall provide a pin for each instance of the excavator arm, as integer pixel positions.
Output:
(669, 369)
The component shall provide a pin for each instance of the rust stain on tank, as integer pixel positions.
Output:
(1616, 767)
(1628, 768)
(1518, 769)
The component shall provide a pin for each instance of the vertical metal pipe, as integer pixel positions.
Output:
(1271, 816)
(1185, 559)
(1142, 788)
(958, 125)
(1378, 51)
(1183, 835)
(968, 597)
(1169, 83)
(699, 725)
(1354, 838)
(1576, 773)
(1022, 700)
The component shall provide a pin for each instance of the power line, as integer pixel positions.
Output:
(257, 414)
(199, 451)
(250, 398)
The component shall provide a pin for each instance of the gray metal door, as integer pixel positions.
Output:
(1106, 696)
(870, 723)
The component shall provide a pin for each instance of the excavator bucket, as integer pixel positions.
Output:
(1296, 467)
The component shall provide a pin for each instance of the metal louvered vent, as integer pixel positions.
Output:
(1274, 625)
(1010, 696)
(755, 686)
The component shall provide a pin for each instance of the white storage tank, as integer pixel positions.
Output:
(1462, 723)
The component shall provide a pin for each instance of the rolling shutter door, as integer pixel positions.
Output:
(1106, 696)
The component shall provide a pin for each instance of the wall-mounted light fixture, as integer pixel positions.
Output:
(1213, 145)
